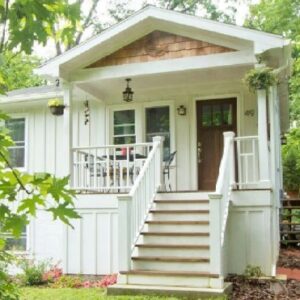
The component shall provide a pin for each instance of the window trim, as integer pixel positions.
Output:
(26, 235)
(26, 133)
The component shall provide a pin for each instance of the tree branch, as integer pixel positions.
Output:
(5, 16)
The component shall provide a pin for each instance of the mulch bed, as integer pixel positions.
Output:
(258, 289)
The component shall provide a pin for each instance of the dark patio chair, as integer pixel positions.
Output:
(166, 169)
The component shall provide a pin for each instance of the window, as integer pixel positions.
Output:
(124, 127)
(13, 244)
(158, 124)
(17, 132)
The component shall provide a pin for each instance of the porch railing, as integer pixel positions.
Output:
(247, 153)
(111, 168)
(134, 207)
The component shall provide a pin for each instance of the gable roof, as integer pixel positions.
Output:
(147, 20)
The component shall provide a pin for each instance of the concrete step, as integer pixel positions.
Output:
(165, 250)
(182, 196)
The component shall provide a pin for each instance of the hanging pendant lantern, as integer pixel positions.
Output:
(128, 93)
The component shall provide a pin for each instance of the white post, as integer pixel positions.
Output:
(68, 158)
(159, 167)
(215, 221)
(68, 130)
(264, 171)
(125, 238)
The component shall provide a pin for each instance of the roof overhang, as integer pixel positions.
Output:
(148, 20)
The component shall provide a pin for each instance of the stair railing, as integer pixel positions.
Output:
(134, 206)
(219, 204)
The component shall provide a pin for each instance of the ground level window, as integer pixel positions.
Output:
(158, 124)
(16, 244)
(124, 127)
(16, 128)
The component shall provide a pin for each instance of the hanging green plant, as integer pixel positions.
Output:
(260, 78)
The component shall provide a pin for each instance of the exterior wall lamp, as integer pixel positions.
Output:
(128, 93)
(181, 110)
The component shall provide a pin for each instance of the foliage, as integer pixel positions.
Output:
(55, 102)
(66, 281)
(26, 22)
(53, 274)
(253, 271)
(17, 71)
(291, 161)
(33, 272)
(21, 194)
(104, 282)
(260, 78)
(282, 17)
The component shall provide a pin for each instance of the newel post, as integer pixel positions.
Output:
(160, 182)
(264, 172)
(125, 234)
(215, 221)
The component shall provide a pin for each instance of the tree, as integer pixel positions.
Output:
(17, 71)
(24, 22)
(282, 17)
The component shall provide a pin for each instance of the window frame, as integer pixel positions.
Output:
(23, 235)
(25, 117)
(140, 120)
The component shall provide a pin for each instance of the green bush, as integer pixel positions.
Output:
(291, 161)
(33, 272)
(67, 282)
(253, 271)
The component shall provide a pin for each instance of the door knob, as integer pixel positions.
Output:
(199, 150)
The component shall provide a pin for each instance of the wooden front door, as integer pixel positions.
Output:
(213, 118)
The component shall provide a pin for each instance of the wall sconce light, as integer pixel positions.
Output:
(128, 93)
(181, 110)
(249, 113)
(283, 139)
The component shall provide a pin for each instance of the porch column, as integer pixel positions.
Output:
(68, 130)
(160, 158)
(68, 165)
(263, 152)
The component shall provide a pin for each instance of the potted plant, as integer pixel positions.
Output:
(56, 106)
(291, 163)
(260, 78)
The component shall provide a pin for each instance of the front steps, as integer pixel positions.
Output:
(173, 249)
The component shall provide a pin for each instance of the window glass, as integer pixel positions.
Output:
(158, 124)
(206, 115)
(217, 115)
(17, 132)
(13, 244)
(227, 114)
(124, 127)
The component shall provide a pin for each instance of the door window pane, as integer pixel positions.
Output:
(227, 114)
(124, 127)
(206, 115)
(17, 132)
(217, 115)
(158, 124)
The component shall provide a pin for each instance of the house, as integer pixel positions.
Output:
(218, 211)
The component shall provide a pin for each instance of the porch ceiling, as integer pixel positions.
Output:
(163, 85)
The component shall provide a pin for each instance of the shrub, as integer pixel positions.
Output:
(253, 271)
(104, 282)
(33, 272)
(65, 281)
(291, 161)
(260, 78)
(53, 274)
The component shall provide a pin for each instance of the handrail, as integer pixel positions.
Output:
(112, 146)
(134, 207)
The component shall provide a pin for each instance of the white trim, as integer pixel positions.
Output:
(26, 138)
(193, 126)
(220, 60)
(30, 97)
(151, 18)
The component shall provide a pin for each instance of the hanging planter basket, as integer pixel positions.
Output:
(56, 107)
(260, 79)
(57, 110)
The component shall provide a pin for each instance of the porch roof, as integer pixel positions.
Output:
(150, 19)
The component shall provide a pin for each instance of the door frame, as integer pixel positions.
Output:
(193, 125)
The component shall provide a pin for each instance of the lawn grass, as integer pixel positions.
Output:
(82, 294)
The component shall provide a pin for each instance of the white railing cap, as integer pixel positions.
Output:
(158, 139)
(228, 134)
